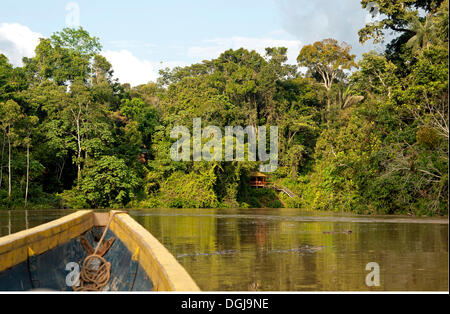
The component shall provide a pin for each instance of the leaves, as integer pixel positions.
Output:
(108, 183)
(368, 137)
(327, 58)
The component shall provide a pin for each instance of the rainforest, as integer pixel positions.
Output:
(363, 134)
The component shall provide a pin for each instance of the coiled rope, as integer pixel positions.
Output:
(95, 271)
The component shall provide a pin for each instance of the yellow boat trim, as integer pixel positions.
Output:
(16, 248)
(159, 264)
(30, 252)
(136, 255)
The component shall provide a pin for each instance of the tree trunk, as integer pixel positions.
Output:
(9, 222)
(328, 108)
(28, 173)
(79, 152)
(59, 171)
(1, 161)
(9, 165)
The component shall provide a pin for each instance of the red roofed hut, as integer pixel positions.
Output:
(258, 180)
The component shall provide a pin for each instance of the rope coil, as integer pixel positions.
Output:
(96, 271)
(95, 274)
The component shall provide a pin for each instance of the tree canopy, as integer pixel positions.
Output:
(367, 135)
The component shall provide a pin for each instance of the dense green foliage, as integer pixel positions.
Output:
(374, 140)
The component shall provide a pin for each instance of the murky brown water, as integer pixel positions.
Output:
(290, 250)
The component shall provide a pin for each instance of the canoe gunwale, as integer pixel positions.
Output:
(15, 248)
(158, 263)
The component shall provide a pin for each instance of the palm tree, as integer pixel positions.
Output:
(424, 32)
(346, 99)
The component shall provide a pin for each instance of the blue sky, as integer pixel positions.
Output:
(138, 35)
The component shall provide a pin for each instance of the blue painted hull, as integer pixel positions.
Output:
(47, 271)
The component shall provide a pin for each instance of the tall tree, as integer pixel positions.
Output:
(5, 73)
(396, 16)
(68, 55)
(376, 76)
(28, 129)
(5, 70)
(328, 59)
(423, 31)
(10, 114)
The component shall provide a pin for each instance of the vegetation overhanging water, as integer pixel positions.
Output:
(362, 136)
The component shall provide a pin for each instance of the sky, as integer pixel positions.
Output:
(141, 37)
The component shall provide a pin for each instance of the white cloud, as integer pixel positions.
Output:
(214, 47)
(130, 69)
(311, 21)
(17, 41)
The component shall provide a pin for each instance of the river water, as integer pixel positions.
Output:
(289, 249)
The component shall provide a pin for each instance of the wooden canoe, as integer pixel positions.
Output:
(43, 258)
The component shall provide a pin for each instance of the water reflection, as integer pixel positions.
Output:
(284, 250)
(288, 250)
